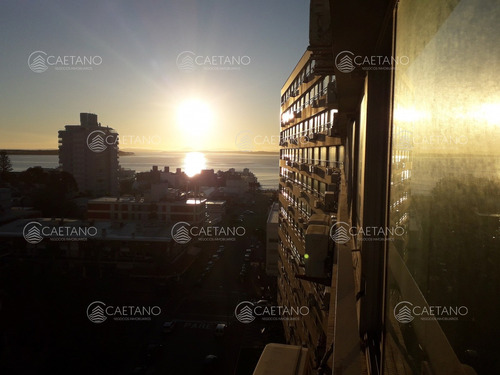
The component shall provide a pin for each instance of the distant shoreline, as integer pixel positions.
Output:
(130, 153)
(31, 152)
(50, 152)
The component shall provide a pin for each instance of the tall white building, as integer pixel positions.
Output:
(89, 152)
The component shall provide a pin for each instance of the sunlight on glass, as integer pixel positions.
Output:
(194, 116)
(194, 163)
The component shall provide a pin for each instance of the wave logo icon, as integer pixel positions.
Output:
(95, 312)
(339, 232)
(243, 141)
(95, 141)
(344, 62)
(180, 232)
(244, 312)
(185, 61)
(402, 312)
(32, 232)
(37, 62)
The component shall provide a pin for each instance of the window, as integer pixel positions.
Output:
(445, 185)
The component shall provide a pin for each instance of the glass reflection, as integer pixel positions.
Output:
(445, 190)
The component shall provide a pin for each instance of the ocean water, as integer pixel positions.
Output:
(264, 166)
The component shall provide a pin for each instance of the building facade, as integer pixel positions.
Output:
(272, 241)
(389, 185)
(131, 209)
(89, 152)
(311, 156)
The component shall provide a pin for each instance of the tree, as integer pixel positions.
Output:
(5, 164)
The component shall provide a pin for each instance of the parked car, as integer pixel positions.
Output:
(168, 327)
(220, 329)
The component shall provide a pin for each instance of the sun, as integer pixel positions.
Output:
(194, 116)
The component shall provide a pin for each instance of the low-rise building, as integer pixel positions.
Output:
(126, 209)
(272, 238)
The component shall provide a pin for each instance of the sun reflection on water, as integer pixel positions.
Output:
(194, 163)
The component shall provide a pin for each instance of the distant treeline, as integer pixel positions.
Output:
(49, 152)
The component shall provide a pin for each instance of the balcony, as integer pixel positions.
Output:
(318, 103)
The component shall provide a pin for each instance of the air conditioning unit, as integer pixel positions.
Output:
(333, 132)
(317, 239)
(318, 103)
(331, 95)
(312, 136)
(319, 219)
(298, 114)
(317, 204)
(304, 167)
(335, 177)
(331, 199)
(332, 187)
(312, 168)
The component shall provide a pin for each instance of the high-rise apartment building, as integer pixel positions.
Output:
(311, 156)
(89, 152)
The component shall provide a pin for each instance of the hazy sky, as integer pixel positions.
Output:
(136, 85)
